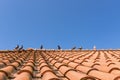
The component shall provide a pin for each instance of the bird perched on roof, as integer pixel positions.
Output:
(74, 48)
(41, 47)
(21, 48)
(59, 47)
(17, 47)
(80, 48)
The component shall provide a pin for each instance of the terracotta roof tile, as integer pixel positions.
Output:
(3, 76)
(60, 65)
(23, 76)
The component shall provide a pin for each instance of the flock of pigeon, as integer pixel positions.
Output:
(19, 48)
(41, 47)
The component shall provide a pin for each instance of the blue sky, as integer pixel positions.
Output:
(65, 22)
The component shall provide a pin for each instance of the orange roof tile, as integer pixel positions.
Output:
(60, 65)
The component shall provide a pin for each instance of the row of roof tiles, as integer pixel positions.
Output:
(60, 65)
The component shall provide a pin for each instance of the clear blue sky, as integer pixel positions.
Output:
(66, 22)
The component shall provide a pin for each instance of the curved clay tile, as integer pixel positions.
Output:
(102, 75)
(66, 61)
(49, 75)
(115, 70)
(53, 62)
(101, 68)
(42, 65)
(84, 68)
(111, 64)
(6, 61)
(89, 64)
(3, 76)
(44, 70)
(73, 64)
(2, 64)
(28, 70)
(88, 78)
(51, 59)
(78, 60)
(73, 74)
(95, 64)
(58, 65)
(19, 62)
(30, 64)
(15, 64)
(8, 69)
(23, 76)
(61, 59)
(40, 61)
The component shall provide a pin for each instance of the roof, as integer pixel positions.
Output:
(60, 65)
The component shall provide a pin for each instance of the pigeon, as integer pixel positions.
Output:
(21, 48)
(17, 47)
(80, 48)
(41, 47)
(59, 47)
(73, 48)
